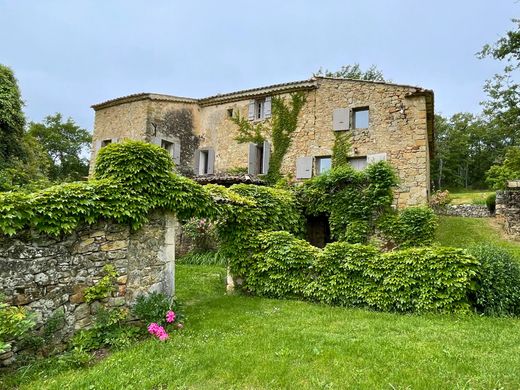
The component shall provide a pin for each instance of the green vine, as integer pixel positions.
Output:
(341, 149)
(104, 287)
(283, 123)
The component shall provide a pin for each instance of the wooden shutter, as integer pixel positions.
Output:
(196, 162)
(177, 153)
(373, 158)
(96, 145)
(115, 140)
(252, 159)
(340, 119)
(267, 107)
(251, 112)
(266, 156)
(358, 163)
(211, 162)
(304, 167)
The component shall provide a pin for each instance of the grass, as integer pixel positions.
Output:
(240, 342)
(470, 197)
(236, 342)
(463, 232)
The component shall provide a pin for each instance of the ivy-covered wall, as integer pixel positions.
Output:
(51, 274)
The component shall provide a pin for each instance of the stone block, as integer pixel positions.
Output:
(114, 245)
(123, 279)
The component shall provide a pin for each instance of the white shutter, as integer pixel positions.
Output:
(267, 107)
(177, 153)
(153, 140)
(115, 140)
(373, 158)
(251, 112)
(211, 162)
(340, 119)
(252, 159)
(96, 145)
(304, 167)
(358, 163)
(266, 157)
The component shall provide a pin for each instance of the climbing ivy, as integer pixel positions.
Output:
(341, 149)
(131, 178)
(281, 126)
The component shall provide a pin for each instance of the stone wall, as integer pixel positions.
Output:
(48, 275)
(464, 210)
(508, 211)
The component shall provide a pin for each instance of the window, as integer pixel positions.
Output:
(204, 162)
(106, 142)
(260, 109)
(323, 164)
(258, 158)
(358, 163)
(230, 112)
(360, 118)
(168, 146)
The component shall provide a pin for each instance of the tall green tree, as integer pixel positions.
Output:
(12, 119)
(354, 72)
(64, 142)
(503, 103)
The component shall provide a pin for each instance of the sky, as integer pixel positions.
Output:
(68, 55)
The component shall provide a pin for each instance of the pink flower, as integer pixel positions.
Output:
(158, 331)
(170, 316)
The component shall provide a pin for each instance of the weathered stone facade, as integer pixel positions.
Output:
(508, 210)
(400, 126)
(47, 274)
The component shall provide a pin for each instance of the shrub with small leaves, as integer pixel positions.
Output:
(14, 323)
(498, 291)
(491, 203)
(152, 308)
(440, 199)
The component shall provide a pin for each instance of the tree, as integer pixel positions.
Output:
(503, 105)
(12, 119)
(498, 175)
(64, 143)
(354, 72)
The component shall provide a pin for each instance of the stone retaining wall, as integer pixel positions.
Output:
(508, 210)
(464, 210)
(49, 275)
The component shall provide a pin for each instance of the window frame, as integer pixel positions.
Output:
(357, 110)
(317, 164)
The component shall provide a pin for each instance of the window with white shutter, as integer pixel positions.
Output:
(340, 119)
(304, 167)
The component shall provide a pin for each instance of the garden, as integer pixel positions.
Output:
(392, 299)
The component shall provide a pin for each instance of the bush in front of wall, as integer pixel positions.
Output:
(15, 322)
(104, 287)
(498, 291)
(262, 209)
(491, 203)
(413, 226)
(281, 266)
(340, 274)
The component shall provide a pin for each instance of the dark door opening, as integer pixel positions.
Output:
(318, 230)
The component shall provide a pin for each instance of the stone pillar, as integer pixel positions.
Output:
(169, 253)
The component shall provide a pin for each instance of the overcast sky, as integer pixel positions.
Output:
(68, 55)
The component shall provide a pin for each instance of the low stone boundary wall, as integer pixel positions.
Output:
(48, 274)
(464, 210)
(508, 210)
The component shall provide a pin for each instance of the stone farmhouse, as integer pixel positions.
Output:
(387, 121)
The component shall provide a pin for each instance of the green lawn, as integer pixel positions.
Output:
(463, 232)
(246, 342)
(470, 197)
(241, 342)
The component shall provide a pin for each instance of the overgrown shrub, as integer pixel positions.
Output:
(260, 209)
(203, 233)
(413, 280)
(340, 274)
(498, 291)
(422, 280)
(281, 266)
(132, 178)
(491, 203)
(352, 200)
(413, 226)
